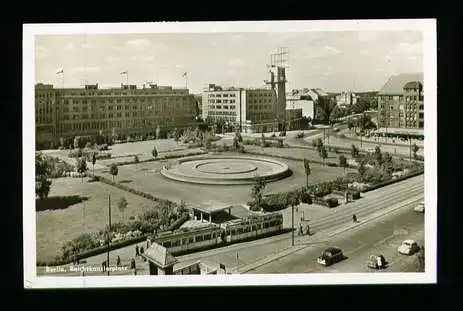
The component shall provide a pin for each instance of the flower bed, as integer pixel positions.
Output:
(169, 217)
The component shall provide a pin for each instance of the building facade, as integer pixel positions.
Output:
(128, 110)
(401, 102)
(250, 110)
(346, 99)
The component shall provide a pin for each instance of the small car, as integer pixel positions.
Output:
(419, 208)
(330, 256)
(376, 261)
(408, 247)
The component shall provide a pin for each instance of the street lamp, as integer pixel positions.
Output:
(109, 231)
(292, 225)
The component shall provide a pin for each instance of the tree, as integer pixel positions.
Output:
(122, 205)
(337, 112)
(81, 164)
(323, 154)
(43, 170)
(307, 171)
(388, 165)
(257, 191)
(415, 149)
(362, 169)
(263, 142)
(113, 170)
(350, 125)
(235, 143)
(176, 134)
(343, 161)
(239, 137)
(354, 151)
(325, 106)
(319, 145)
(378, 156)
(154, 152)
(93, 162)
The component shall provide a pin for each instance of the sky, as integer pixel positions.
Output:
(334, 61)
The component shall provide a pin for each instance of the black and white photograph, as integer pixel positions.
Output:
(230, 153)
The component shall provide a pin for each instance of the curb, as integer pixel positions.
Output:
(288, 251)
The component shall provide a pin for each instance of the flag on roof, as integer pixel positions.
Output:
(184, 74)
(124, 72)
(60, 70)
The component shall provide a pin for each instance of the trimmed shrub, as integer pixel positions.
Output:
(306, 198)
(355, 194)
(332, 202)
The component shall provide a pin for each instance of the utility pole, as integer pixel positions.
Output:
(292, 225)
(109, 231)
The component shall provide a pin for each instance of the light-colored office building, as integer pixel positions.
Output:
(250, 110)
(128, 110)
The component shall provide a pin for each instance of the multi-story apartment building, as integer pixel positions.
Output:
(401, 102)
(250, 110)
(128, 110)
(347, 98)
(310, 101)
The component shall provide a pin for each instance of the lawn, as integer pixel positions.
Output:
(57, 224)
(125, 152)
(146, 177)
(299, 153)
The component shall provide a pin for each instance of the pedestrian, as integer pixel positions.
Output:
(307, 230)
(103, 266)
(354, 218)
(142, 250)
(300, 230)
(147, 243)
(118, 261)
(136, 251)
(379, 262)
(132, 264)
(82, 272)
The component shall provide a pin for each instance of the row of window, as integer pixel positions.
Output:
(221, 101)
(154, 113)
(109, 125)
(221, 107)
(221, 113)
(223, 95)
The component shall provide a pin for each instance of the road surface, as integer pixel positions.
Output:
(249, 252)
(381, 237)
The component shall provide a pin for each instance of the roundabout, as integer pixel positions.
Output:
(225, 170)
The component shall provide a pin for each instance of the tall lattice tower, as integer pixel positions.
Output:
(279, 61)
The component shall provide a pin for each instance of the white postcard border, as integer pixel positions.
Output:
(428, 28)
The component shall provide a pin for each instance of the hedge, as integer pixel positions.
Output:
(175, 156)
(134, 191)
(389, 182)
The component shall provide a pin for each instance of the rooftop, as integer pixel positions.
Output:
(159, 255)
(213, 206)
(395, 84)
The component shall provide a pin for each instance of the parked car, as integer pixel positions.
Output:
(330, 256)
(408, 247)
(376, 261)
(419, 208)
